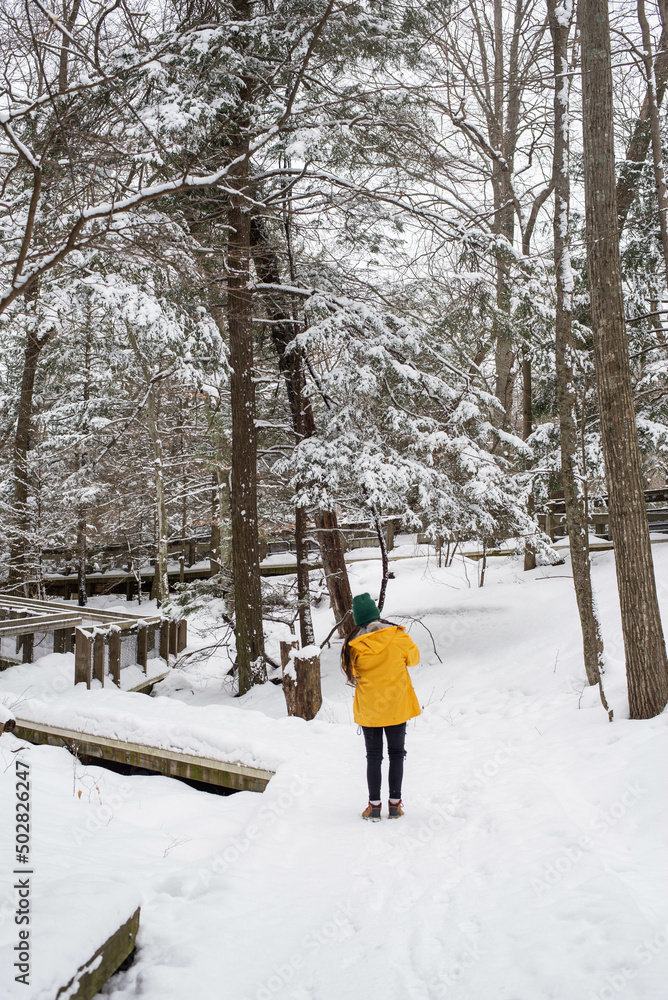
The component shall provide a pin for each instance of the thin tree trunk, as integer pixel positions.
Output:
(243, 500)
(636, 151)
(303, 590)
(160, 588)
(503, 136)
(330, 538)
(82, 553)
(82, 548)
(383, 556)
(576, 520)
(214, 548)
(646, 662)
(527, 413)
(65, 46)
(161, 575)
(655, 130)
(18, 555)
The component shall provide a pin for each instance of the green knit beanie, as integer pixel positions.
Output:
(365, 609)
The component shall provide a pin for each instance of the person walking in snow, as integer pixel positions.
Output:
(375, 658)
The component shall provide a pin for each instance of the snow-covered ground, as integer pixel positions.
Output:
(531, 863)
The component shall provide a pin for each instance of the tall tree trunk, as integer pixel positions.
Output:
(18, 567)
(82, 529)
(578, 529)
(243, 500)
(291, 366)
(646, 662)
(503, 135)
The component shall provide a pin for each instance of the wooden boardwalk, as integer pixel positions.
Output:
(208, 771)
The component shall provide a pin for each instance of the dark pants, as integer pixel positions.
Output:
(373, 737)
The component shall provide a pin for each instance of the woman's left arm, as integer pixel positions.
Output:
(410, 650)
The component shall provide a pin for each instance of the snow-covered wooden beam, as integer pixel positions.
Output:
(89, 979)
(219, 773)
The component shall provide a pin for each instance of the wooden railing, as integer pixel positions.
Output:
(98, 637)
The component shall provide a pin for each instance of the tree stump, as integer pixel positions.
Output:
(301, 680)
(289, 678)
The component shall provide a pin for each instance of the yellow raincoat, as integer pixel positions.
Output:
(384, 694)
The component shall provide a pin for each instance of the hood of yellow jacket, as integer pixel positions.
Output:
(374, 642)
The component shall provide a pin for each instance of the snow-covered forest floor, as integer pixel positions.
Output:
(531, 863)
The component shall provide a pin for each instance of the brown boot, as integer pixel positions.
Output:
(396, 809)
(372, 812)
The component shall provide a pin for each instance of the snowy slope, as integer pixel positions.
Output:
(531, 862)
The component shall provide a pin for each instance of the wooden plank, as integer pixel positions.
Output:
(142, 646)
(98, 657)
(147, 686)
(115, 657)
(82, 657)
(53, 623)
(91, 614)
(223, 774)
(91, 977)
(173, 638)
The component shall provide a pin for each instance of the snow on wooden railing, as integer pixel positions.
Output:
(99, 638)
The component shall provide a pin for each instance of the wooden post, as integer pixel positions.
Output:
(164, 639)
(182, 640)
(115, 656)
(192, 551)
(142, 647)
(98, 657)
(389, 535)
(173, 638)
(27, 644)
(82, 657)
(549, 523)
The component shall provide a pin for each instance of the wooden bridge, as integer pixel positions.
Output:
(189, 559)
